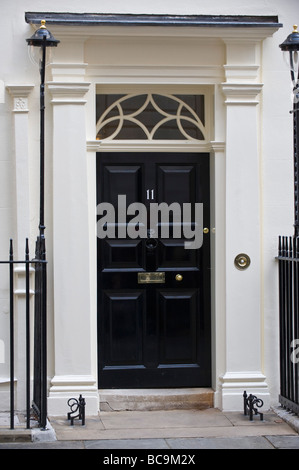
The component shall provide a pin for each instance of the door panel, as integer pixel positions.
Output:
(177, 313)
(122, 254)
(172, 253)
(175, 183)
(153, 334)
(123, 179)
(124, 322)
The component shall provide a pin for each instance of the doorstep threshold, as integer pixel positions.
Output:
(156, 399)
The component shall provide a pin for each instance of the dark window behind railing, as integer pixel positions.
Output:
(36, 401)
(288, 258)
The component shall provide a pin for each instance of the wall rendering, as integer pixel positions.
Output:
(250, 140)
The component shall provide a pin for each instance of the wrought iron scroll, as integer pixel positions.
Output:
(76, 406)
(251, 405)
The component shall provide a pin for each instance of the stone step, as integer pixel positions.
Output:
(156, 399)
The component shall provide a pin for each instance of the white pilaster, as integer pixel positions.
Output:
(218, 294)
(20, 110)
(20, 94)
(73, 348)
(243, 352)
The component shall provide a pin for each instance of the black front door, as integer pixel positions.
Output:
(153, 293)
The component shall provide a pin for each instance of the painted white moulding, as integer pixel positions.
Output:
(149, 146)
(242, 93)
(20, 95)
(241, 73)
(233, 385)
(167, 74)
(2, 352)
(68, 92)
(242, 34)
(73, 382)
(20, 272)
(2, 92)
(64, 387)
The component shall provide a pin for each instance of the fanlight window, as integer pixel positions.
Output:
(150, 117)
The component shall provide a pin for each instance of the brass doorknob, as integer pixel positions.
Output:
(205, 230)
(178, 277)
(242, 261)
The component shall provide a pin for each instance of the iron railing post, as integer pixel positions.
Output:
(27, 267)
(12, 369)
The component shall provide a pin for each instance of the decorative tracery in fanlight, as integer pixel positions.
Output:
(151, 117)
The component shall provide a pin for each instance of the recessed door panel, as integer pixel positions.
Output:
(123, 254)
(122, 327)
(176, 183)
(121, 180)
(177, 310)
(173, 254)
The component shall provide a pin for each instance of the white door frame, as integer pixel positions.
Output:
(230, 62)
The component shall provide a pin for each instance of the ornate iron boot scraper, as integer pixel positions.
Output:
(76, 406)
(249, 405)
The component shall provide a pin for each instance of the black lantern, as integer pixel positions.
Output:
(42, 36)
(290, 47)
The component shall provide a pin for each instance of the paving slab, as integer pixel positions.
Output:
(169, 424)
(18, 434)
(172, 429)
(127, 444)
(164, 419)
(43, 445)
(163, 445)
(284, 442)
(249, 442)
(5, 420)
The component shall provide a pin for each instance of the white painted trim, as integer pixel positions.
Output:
(233, 385)
(68, 92)
(165, 117)
(64, 387)
(241, 34)
(73, 382)
(180, 146)
(189, 75)
(237, 96)
(237, 73)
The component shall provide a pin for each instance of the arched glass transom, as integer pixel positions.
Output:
(150, 117)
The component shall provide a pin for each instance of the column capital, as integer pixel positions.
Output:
(217, 146)
(241, 93)
(68, 92)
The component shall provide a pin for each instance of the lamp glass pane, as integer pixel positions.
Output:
(35, 55)
(294, 66)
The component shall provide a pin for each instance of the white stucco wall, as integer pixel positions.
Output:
(274, 139)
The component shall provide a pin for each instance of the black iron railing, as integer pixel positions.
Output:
(288, 258)
(39, 403)
(36, 401)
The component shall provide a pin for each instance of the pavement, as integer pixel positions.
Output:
(162, 431)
